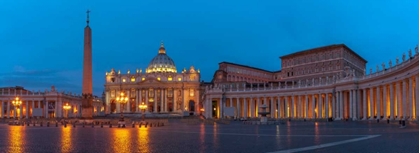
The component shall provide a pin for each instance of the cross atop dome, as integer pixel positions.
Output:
(162, 48)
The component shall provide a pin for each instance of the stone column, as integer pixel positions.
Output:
(273, 108)
(155, 101)
(378, 103)
(117, 104)
(27, 109)
(384, 102)
(286, 98)
(238, 107)
(398, 100)
(319, 111)
(33, 106)
(245, 107)
(8, 108)
(165, 97)
(404, 99)
(279, 111)
(1, 109)
(417, 96)
(293, 107)
(410, 98)
(183, 101)
(306, 106)
(341, 104)
(350, 104)
(174, 101)
(137, 101)
(333, 108)
(371, 103)
(391, 101)
(46, 109)
(147, 100)
(364, 105)
(252, 107)
(354, 105)
(221, 108)
(327, 113)
(313, 106)
(161, 101)
(299, 108)
(256, 106)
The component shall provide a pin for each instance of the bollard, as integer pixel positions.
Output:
(83, 125)
(403, 123)
(33, 124)
(304, 120)
(48, 124)
(140, 125)
(74, 124)
(399, 122)
(110, 125)
(56, 124)
(27, 124)
(377, 120)
(387, 121)
(65, 125)
(123, 126)
(145, 125)
(102, 126)
(133, 125)
(41, 123)
(93, 125)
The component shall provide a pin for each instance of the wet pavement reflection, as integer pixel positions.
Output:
(180, 137)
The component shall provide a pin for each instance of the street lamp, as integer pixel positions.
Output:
(67, 108)
(17, 102)
(142, 107)
(123, 99)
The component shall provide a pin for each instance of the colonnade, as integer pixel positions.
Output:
(26, 109)
(392, 100)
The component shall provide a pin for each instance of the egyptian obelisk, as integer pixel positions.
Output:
(87, 97)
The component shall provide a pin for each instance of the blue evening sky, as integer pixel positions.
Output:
(42, 41)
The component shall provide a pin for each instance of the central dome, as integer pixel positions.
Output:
(161, 62)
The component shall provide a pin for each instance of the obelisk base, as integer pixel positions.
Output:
(87, 109)
(87, 112)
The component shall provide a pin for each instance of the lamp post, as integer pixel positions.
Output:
(123, 99)
(67, 108)
(16, 102)
(142, 107)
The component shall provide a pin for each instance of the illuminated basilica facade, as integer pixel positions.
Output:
(326, 82)
(160, 87)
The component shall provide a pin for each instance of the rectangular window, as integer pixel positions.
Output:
(191, 92)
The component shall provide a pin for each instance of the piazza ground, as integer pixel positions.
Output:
(178, 136)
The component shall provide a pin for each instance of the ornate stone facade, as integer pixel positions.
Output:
(390, 93)
(161, 88)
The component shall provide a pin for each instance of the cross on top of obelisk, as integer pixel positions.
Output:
(87, 20)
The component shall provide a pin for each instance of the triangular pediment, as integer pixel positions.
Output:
(151, 80)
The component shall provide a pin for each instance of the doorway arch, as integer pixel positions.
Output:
(191, 107)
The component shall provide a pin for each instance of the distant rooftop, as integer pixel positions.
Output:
(323, 48)
(247, 66)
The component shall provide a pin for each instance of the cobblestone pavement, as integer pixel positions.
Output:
(220, 138)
